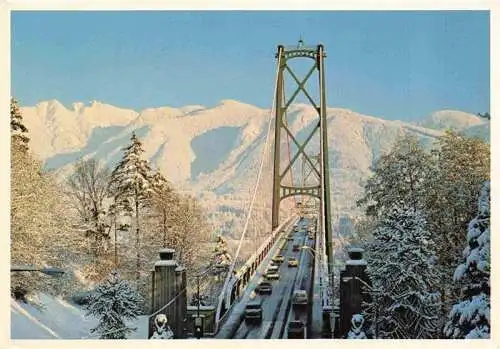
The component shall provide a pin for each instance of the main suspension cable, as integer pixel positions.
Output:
(264, 150)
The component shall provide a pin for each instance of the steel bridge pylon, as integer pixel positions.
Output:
(319, 168)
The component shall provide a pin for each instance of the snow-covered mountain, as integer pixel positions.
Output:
(469, 124)
(211, 151)
(451, 119)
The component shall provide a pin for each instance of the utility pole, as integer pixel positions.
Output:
(198, 321)
(199, 300)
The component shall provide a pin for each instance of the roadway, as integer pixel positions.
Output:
(277, 308)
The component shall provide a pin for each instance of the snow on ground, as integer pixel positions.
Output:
(58, 319)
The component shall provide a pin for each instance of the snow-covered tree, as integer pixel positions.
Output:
(222, 257)
(117, 223)
(193, 232)
(179, 222)
(399, 175)
(356, 331)
(363, 228)
(131, 188)
(470, 318)
(486, 115)
(443, 184)
(87, 187)
(40, 232)
(114, 302)
(463, 165)
(401, 267)
(164, 199)
(19, 132)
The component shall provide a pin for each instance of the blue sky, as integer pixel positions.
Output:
(394, 65)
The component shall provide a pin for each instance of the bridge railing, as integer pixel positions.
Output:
(256, 257)
(326, 286)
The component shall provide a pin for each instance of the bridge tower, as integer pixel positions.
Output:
(320, 168)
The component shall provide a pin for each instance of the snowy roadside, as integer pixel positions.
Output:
(58, 319)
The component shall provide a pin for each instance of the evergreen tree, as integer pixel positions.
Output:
(131, 188)
(403, 276)
(39, 218)
(470, 318)
(484, 115)
(114, 302)
(444, 185)
(159, 182)
(19, 132)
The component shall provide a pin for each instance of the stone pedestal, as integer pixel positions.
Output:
(169, 287)
(352, 290)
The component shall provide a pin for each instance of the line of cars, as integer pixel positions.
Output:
(253, 310)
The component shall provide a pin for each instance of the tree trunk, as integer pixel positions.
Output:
(164, 228)
(97, 244)
(137, 271)
(443, 314)
(98, 231)
(116, 247)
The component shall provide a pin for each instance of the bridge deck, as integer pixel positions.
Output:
(236, 315)
(277, 308)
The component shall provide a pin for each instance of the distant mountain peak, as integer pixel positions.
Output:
(451, 119)
(230, 101)
(78, 106)
(50, 103)
(187, 109)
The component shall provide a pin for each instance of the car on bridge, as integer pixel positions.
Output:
(272, 275)
(293, 262)
(296, 330)
(278, 259)
(272, 269)
(296, 248)
(253, 311)
(300, 297)
(265, 287)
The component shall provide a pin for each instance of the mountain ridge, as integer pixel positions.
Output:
(223, 142)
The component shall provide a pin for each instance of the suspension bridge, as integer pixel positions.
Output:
(288, 217)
